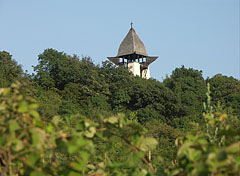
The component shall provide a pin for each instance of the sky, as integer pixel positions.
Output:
(199, 34)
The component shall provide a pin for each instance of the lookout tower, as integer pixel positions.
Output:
(132, 54)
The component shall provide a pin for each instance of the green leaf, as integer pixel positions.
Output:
(20, 97)
(134, 158)
(23, 107)
(13, 125)
(148, 143)
(56, 120)
(38, 122)
(91, 132)
(234, 148)
(33, 106)
(84, 156)
(50, 128)
(19, 145)
(2, 140)
(37, 173)
(72, 147)
(32, 158)
(34, 113)
(6, 91)
(91, 166)
(76, 144)
(74, 174)
(38, 137)
(116, 165)
(79, 166)
(112, 120)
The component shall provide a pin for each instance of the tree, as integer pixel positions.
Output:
(79, 83)
(226, 90)
(10, 71)
(147, 98)
(50, 68)
(190, 87)
(59, 70)
(151, 99)
(119, 80)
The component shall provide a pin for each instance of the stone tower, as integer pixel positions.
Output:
(132, 54)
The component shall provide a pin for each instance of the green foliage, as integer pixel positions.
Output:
(31, 145)
(102, 120)
(49, 68)
(166, 150)
(78, 82)
(119, 80)
(49, 102)
(10, 71)
(151, 99)
(23, 138)
(189, 86)
(227, 91)
(57, 69)
(215, 151)
(125, 136)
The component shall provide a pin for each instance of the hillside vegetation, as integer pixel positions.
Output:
(72, 117)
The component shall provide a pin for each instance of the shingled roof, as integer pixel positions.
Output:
(132, 44)
(132, 48)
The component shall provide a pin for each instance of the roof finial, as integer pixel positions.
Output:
(131, 25)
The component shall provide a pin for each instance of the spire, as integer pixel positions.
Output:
(132, 44)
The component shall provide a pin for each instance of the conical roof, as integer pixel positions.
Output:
(132, 44)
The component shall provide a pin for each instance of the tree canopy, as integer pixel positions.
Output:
(190, 88)
(72, 117)
(226, 90)
(10, 71)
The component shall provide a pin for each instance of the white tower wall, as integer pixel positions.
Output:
(146, 73)
(134, 67)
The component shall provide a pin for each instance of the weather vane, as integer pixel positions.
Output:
(131, 24)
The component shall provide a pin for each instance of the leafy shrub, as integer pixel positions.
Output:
(32, 145)
(215, 151)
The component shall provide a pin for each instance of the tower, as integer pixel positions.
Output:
(132, 54)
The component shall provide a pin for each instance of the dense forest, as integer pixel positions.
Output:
(72, 117)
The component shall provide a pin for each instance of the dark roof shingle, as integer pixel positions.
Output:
(132, 44)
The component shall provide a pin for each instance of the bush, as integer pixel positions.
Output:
(32, 145)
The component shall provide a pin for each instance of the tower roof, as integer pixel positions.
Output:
(132, 44)
(132, 48)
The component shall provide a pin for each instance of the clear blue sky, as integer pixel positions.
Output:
(201, 34)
